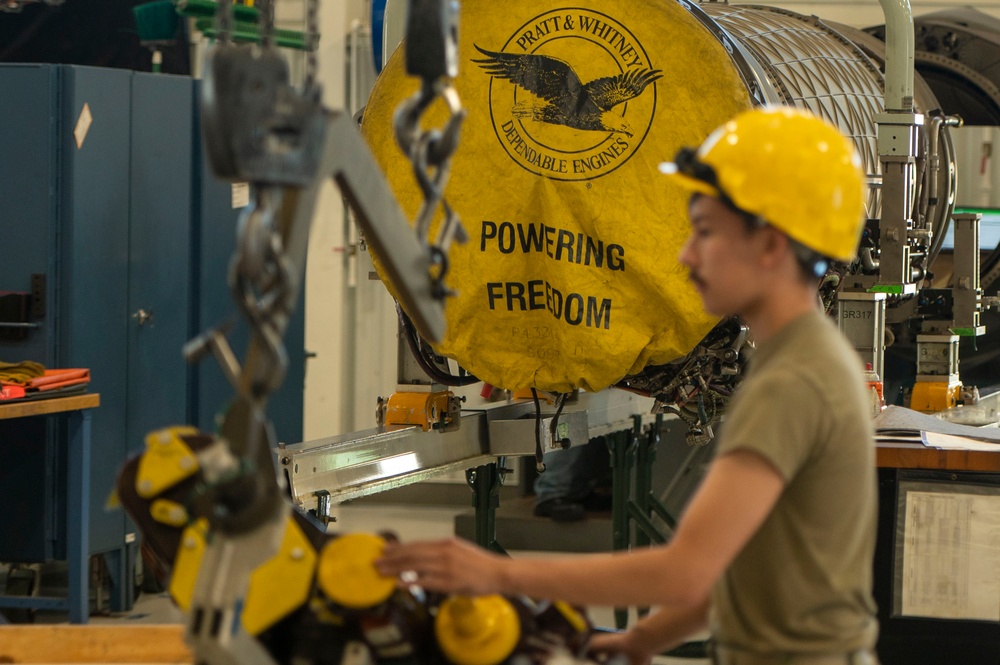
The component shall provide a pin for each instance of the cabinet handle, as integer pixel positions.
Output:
(142, 316)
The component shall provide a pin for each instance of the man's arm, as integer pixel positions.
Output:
(734, 499)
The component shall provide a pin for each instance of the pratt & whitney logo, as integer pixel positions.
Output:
(568, 94)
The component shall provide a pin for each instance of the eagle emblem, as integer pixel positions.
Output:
(560, 97)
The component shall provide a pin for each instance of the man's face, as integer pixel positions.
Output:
(721, 254)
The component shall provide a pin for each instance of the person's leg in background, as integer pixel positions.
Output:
(564, 491)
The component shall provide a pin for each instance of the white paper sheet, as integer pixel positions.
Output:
(951, 442)
(951, 556)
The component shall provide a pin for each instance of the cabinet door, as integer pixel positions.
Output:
(28, 207)
(28, 200)
(159, 274)
(28, 214)
(92, 269)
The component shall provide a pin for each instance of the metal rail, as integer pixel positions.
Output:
(358, 464)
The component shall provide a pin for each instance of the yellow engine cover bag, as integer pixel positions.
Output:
(570, 278)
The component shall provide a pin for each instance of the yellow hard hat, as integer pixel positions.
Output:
(789, 167)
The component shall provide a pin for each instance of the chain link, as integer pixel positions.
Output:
(312, 35)
(261, 280)
(430, 152)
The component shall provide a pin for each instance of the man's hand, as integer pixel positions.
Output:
(610, 644)
(448, 566)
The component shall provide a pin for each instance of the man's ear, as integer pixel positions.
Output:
(775, 247)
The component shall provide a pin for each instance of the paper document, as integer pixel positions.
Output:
(896, 420)
(951, 442)
(951, 556)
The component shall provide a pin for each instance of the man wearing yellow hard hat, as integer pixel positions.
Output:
(774, 552)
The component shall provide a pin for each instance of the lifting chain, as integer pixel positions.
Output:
(261, 281)
(309, 88)
(431, 54)
(261, 275)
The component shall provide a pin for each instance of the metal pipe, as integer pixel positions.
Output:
(933, 136)
(938, 122)
(898, 55)
(868, 261)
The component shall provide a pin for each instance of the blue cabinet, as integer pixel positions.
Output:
(105, 193)
(64, 192)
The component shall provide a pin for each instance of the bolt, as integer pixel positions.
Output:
(190, 543)
(145, 486)
(297, 554)
(165, 438)
(186, 463)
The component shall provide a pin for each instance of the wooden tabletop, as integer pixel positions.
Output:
(919, 456)
(43, 407)
(110, 643)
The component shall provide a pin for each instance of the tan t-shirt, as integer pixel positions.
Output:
(803, 582)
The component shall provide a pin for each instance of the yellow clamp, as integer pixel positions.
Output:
(167, 512)
(187, 563)
(166, 462)
(282, 583)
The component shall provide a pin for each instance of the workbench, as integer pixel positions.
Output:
(76, 410)
(919, 456)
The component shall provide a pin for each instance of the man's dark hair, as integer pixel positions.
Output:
(812, 264)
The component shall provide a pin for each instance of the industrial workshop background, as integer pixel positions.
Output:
(342, 339)
(343, 304)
